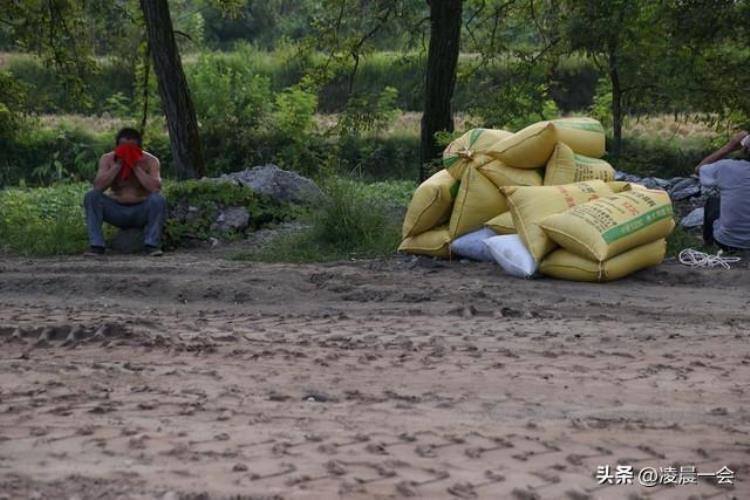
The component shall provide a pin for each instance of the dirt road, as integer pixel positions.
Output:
(197, 377)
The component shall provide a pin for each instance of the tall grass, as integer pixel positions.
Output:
(354, 221)
(43, 221)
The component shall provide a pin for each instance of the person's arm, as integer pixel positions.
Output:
(107, 172)
(149, 174)
(733, 145)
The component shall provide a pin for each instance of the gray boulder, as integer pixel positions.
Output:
(281, 185)
(127, 241)
(232, 218)
(684, 188)
(693, 219)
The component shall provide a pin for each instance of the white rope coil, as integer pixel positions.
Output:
(694, 258)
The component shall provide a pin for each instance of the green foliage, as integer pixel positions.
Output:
(207, 198)
(229, 95)
(50, 220)
(601, 109)
(13, 97)
(680, 239)
(516, 106)
(351, 223)
(370, 113)
(294, 113)
(43, 221)
(659, 157)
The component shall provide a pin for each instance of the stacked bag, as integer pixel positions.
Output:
(548, 195)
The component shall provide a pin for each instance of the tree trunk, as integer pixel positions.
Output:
(614, 77)
(173, 90)
(440, 76)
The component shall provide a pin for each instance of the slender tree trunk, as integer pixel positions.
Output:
(440, 76)
(173, 90)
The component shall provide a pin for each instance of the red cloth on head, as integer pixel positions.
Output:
(128, 154)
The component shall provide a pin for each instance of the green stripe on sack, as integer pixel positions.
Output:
(450, 161)
(634, 225)
(454, 189)
(475, 135)
(588, 126)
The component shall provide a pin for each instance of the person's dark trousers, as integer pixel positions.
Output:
(149, 215)
(711, 212)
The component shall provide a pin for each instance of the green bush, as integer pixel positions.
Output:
(211, 196)
(659, 157)
(572, 87)
(49, 94)
(43, 221)
(353, 222)
(50, 220)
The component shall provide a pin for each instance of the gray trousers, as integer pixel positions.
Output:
(149, 215)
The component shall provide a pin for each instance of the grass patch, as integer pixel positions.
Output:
(43, 221)
(680, 239)
(355, 221)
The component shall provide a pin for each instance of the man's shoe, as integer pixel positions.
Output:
(153, 251)
(94, 251)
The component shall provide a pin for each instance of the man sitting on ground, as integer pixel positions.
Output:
(726, 219)
(133, 200)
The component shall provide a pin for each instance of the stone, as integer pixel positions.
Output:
(624, 176)
(281, 185)
(127, 241)
(231, 219)
(693, 219)
(685, 188)
(654, 182)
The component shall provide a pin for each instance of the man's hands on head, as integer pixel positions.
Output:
(108, 170)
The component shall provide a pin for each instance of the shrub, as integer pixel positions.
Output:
(43, 221)
(208, 197)
(351, 223)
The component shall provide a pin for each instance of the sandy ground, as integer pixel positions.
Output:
(197, 377)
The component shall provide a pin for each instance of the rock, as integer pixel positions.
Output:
(281, 185)
(654, 182)
(232, 218)
(693, 219)
(624, 176)
(685, 188)
(127, 241)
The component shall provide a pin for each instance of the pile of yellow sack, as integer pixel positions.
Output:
(547, 184)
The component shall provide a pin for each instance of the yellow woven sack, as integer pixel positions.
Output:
(565, 167)
(603, 228)
(620, 186)
(478, 201)
(527, 148)
(566, 265)
(470, 149)
(503, 175)
(584, 135)
(502, 224)
(431, 204)
(530, 205)
(435, 243)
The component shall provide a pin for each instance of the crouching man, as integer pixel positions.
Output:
(726, 220)
(131, 179)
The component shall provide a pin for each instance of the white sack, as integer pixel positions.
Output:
(472, 245)
(512, 255)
